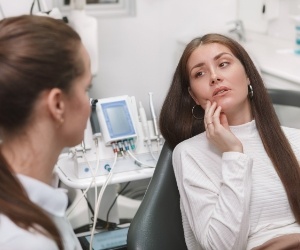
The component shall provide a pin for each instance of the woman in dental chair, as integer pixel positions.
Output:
(236, 168)
(44, 79)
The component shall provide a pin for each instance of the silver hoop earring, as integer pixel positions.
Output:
(250, 91)
(199, 112)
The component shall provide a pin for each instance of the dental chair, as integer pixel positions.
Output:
(285, 97)
(157, 224)
(287, 106)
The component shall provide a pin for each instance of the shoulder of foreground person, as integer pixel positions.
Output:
(13, 237)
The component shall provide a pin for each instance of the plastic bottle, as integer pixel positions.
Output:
(297, 30)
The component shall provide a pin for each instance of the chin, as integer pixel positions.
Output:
(74, 141)
(226, 103)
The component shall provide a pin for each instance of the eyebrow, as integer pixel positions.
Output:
(215, 58)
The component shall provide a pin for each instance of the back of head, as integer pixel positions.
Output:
(36, 53)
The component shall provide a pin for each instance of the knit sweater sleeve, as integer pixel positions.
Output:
(215, 196)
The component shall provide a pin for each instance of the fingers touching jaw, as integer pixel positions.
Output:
(212, 106)
(199, 101)
(212, 114)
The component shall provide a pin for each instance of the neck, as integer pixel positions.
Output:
(240, 116)
(239, 120)
(32, 153)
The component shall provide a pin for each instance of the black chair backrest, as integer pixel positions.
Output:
(285, 97)
(157, 224)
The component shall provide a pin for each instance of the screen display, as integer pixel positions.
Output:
(118, 119)
(106, 240)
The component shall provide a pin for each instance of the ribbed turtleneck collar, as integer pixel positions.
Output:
(245, 129)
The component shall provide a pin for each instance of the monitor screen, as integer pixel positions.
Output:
(106, 240)
(118, 119)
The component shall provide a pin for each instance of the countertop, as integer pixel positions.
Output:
(274, 56)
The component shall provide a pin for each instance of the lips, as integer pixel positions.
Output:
(220, 91)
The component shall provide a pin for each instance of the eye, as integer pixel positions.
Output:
(223, 64)
(198, 74)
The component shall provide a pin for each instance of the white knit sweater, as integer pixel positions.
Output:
(232, 200)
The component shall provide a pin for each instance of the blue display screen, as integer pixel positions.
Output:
(118, 119)
(106, 240)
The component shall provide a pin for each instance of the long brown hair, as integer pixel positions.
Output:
(36, 54)
(177, 123)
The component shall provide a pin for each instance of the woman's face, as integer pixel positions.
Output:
(78, 104)
(216, 75)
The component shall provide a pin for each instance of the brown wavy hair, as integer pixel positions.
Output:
(36, 54)
(177, 123)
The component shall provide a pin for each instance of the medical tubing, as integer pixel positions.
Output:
(92, 181)
(151, 152)
(142, 163)
(83, 194)
(114, 201)
(97, 167)
(100, 198)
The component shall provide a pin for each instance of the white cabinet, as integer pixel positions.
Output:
(280, 68)
(279, 65)
(275, 81)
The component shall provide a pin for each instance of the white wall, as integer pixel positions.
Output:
(276, 21)
(18, 7)
(139, 54)
(284, 25)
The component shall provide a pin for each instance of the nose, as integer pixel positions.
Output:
(214, 78)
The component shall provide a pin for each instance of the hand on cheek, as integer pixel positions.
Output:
(203, 104)
(218, 131)
(224, 121)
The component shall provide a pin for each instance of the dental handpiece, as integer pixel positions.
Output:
(153, 115)
(144, 123)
